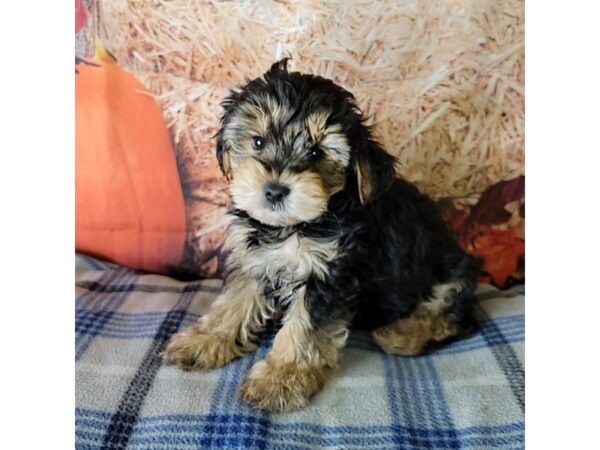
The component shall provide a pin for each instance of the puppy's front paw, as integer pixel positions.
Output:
(281, 387)
(193, 349)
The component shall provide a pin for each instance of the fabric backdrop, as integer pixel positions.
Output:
(442, 80)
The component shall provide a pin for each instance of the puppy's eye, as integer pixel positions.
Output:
(313, 152)
(258, 143)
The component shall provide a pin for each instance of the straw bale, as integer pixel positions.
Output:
(443, 80)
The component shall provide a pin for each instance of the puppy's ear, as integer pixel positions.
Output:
(374, 169)
(223, 154)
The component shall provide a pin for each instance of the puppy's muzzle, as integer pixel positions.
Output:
(275, 193)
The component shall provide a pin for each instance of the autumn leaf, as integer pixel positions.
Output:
(493, 229)
(501, 251)
(80, 16)
(490, 207)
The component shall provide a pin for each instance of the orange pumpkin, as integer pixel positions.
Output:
(129, 204)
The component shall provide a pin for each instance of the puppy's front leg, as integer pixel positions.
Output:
(227, 331)
(301, 360)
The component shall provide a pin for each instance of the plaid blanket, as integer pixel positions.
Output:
(469, 395)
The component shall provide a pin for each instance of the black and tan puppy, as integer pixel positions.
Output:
(323, 231)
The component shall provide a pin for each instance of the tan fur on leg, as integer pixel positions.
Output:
(227, 331)
(301, 360)
(194, 348)
(427, 323)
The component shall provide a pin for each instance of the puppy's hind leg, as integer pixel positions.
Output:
(227, 331)
(431, 323)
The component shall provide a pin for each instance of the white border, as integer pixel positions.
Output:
(37, 224)
(562, 224)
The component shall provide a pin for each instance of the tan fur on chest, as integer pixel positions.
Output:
(292, 260)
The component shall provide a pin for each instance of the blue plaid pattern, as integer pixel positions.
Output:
(469, 395)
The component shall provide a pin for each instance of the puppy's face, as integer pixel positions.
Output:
(288, 143)
(283, 168)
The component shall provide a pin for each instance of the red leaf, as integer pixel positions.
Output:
(501, 250)
(80, 16)
(490, 207)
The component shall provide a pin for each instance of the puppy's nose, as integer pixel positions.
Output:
(275, 193)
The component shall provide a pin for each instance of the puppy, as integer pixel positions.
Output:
(323, 234)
